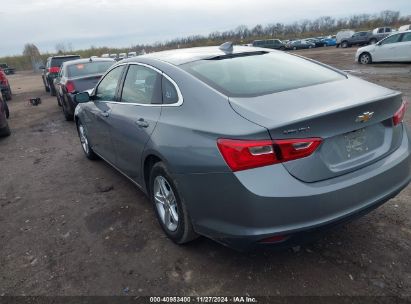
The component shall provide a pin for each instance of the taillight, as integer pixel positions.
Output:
(246, 154)
(399, 115)
(70, 87)
(54, 69)
(291, 149)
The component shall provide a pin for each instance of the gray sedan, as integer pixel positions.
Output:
(245, 145)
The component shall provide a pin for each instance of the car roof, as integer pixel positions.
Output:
(64, 56)
(86, 60)
(182, 56)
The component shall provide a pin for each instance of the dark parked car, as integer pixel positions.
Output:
(51, 70)
(77, 76)
(270, 44)
(317, 41)
(5, 86)
(300, 44)
(359, 38)
(4, 115)
(233, 142)
(7, 70)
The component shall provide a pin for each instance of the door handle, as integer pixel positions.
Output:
(105, 114)
(141, 123)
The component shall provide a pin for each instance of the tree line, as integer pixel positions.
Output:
(242, 34)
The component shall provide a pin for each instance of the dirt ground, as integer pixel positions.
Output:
(70, 226)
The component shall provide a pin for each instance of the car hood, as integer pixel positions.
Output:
(368, 48)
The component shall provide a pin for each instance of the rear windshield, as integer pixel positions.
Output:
(261, 74)
(88, 68)
(56, 62)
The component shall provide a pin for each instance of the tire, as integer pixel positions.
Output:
(365, 58)
(282, 48)
(373, 41)
(6, 132)
(52, 89)
(344, 44)
(59, 101)
(294, 48)
(85, 142)
(6, 110)
(8, 94)
(337, 45)
(170, 209)
(325, 44)
(309, 46)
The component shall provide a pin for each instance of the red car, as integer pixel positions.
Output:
(4, 114)
(4, 86)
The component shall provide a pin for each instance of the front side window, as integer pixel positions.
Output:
(142, 85)
(106, 90)
(253, 75)
(391, 39)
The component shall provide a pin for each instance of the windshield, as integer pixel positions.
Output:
(88, 68)
(248, 76)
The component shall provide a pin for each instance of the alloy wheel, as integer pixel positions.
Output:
(166, 203)
(365, 59)
(83, 139)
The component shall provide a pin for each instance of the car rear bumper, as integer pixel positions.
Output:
(243, 208)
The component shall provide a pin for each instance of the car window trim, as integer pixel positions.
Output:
(121, 84)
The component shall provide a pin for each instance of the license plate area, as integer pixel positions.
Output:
(356, 143)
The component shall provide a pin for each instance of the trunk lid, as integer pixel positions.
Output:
(85, 83)
(335, 111)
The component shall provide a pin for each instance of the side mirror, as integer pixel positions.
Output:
(82, 97)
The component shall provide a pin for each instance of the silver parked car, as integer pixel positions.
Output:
(246, 145)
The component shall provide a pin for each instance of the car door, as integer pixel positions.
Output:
(386, 50)
(134, 117)
(404, 47)
(98, 129)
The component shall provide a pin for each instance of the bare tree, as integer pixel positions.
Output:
(33, 54)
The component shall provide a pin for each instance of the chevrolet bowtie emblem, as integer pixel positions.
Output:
(366, 116)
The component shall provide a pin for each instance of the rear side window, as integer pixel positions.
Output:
(261, 74)
(88, 68)
(170, 94)
(142, 85)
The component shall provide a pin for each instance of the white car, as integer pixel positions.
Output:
(396, 47)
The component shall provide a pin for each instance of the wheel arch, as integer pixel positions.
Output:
(149, 161)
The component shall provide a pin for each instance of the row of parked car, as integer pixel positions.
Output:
(344, 38)
(119, 56)
(204, 140)
(64, 76)
(295, 44)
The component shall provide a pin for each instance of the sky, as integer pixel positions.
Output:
(122, 23)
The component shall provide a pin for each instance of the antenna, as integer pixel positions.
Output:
(227, 47)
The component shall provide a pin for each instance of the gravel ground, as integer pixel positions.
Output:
(69, 226)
